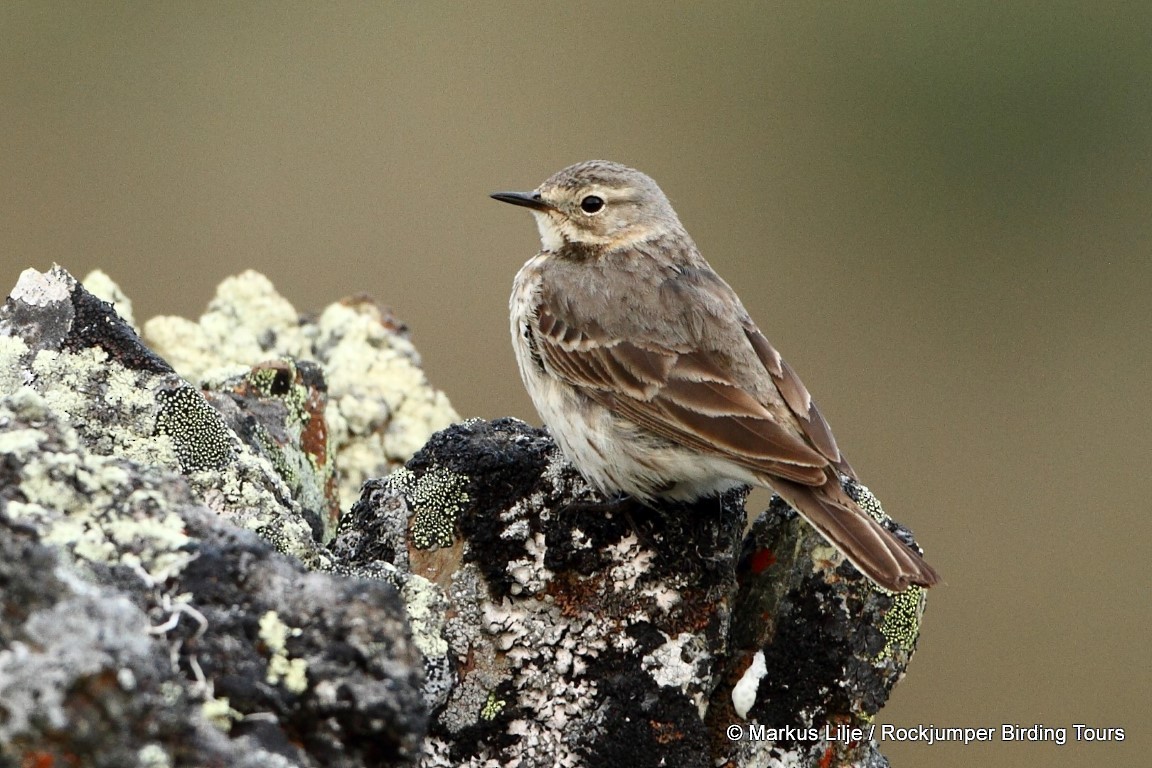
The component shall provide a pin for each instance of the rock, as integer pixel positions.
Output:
(144, 621)
(561, 630)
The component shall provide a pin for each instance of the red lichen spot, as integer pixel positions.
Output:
(37, 760)
(827, 758)
(762, 560)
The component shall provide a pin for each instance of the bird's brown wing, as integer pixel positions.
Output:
(693, 397)
(711, 401)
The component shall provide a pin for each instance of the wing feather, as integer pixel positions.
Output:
(694, 397)
(796, 395)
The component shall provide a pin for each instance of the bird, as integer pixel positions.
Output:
(654, 380)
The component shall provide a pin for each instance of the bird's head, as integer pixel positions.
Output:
(597, 203)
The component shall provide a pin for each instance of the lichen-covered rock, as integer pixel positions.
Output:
(138, 624)
(82, 680)
(575, 633)
(558, 629)
(124, 400)
(812, 648)
(380, 408)
(278, 409)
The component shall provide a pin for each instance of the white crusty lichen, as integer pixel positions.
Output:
(529, 576)
(39, 289)
(746, 688)
(630, 561)
(681, 662)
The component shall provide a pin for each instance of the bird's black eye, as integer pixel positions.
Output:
(591, 204)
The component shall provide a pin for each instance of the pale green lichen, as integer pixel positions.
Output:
(116, 411)
(20, 442)
(153, 756)
(426, 606)
(251, 495)
(281, 668)
(281, 383)
(89, 503)
(113, 407)
(245, 323)
(284, 406)
(12, 374)
(868, 502)
(381, 407)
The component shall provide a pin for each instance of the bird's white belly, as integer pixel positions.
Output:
(612, 453)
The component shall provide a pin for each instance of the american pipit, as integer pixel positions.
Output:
(654, 380)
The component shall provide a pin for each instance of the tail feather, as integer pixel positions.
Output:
(868, 545)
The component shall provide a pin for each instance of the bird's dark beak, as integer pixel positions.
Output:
(527, 199)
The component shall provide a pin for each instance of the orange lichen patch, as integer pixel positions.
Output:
(665, 733)
(578, 596)
(699, 611)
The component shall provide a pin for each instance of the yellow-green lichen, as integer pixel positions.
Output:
(91, 504)
(281, 668)
(437, 497)
(114, 408)
(381, 406)
(492, 707)
(901, 625)
(280, 383)
(868, 502)
(201, 439)
(246, 322)
(220, 713)
(252, 496)
(286, 403)
(20, 442)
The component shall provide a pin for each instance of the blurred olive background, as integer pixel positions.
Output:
(939, 213)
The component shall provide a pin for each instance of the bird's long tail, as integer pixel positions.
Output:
(868, 545)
